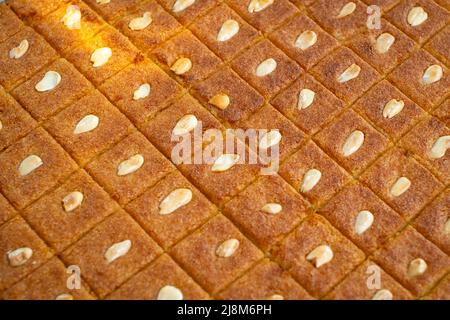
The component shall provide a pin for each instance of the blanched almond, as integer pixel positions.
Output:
(354, 141)
(19, 51)
(88, 123)
(310, 180)
(225, 162)
(130, 165)
(440, 147)
(49, 82)
(185, 125)
(383, 294)
(417, 267)
(417, 16)
(384, 42)
(350, 73)
(266, 67)
(140, 23)
(306, 40)
(228, 30)
(103, 1)
(64, 296)
(259, 5)
(220, 100)
(117, 250)
(320, 255)
(392, 108)
(29, 164)
(19, 256)
(363, 221)
(72, 201)
(305, 98)
(72, 18)
(276, 297)
(142, 92)
(400, 186)
(175, 200)
(227, 248)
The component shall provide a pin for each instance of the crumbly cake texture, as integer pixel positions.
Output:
(87, 110)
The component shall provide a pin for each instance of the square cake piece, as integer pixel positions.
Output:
(163, 130)
(317, 255)
(420, 78)
(369, 282)
(171, 209)
(140, 90)
(265, 281)
(343, 19)
(314, 174)
(362, 217)
(383, 48)
(303, 40)
(187, 58)
(49, 282)
(352, 141)
(15, 122)
(62, 216)
(266, 67)
(32, 166)
(389, 109)
(345, 74)
(224, 31)
(18, 63)
(265, 16)
(308, 104)
(402, 182)
(112, 252)
(88, 126)
(243, 99)
(414, 261)
(9, 22)
(156, 27)
(267, 210)
(104, 55)
(409, 16)
(64, 32)
(162, 279)
(130, 167)
(51, 89)
(216, 254)
(428, 141)
(22, 251)
(434, 221)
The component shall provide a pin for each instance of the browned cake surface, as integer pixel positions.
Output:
(335, 220)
